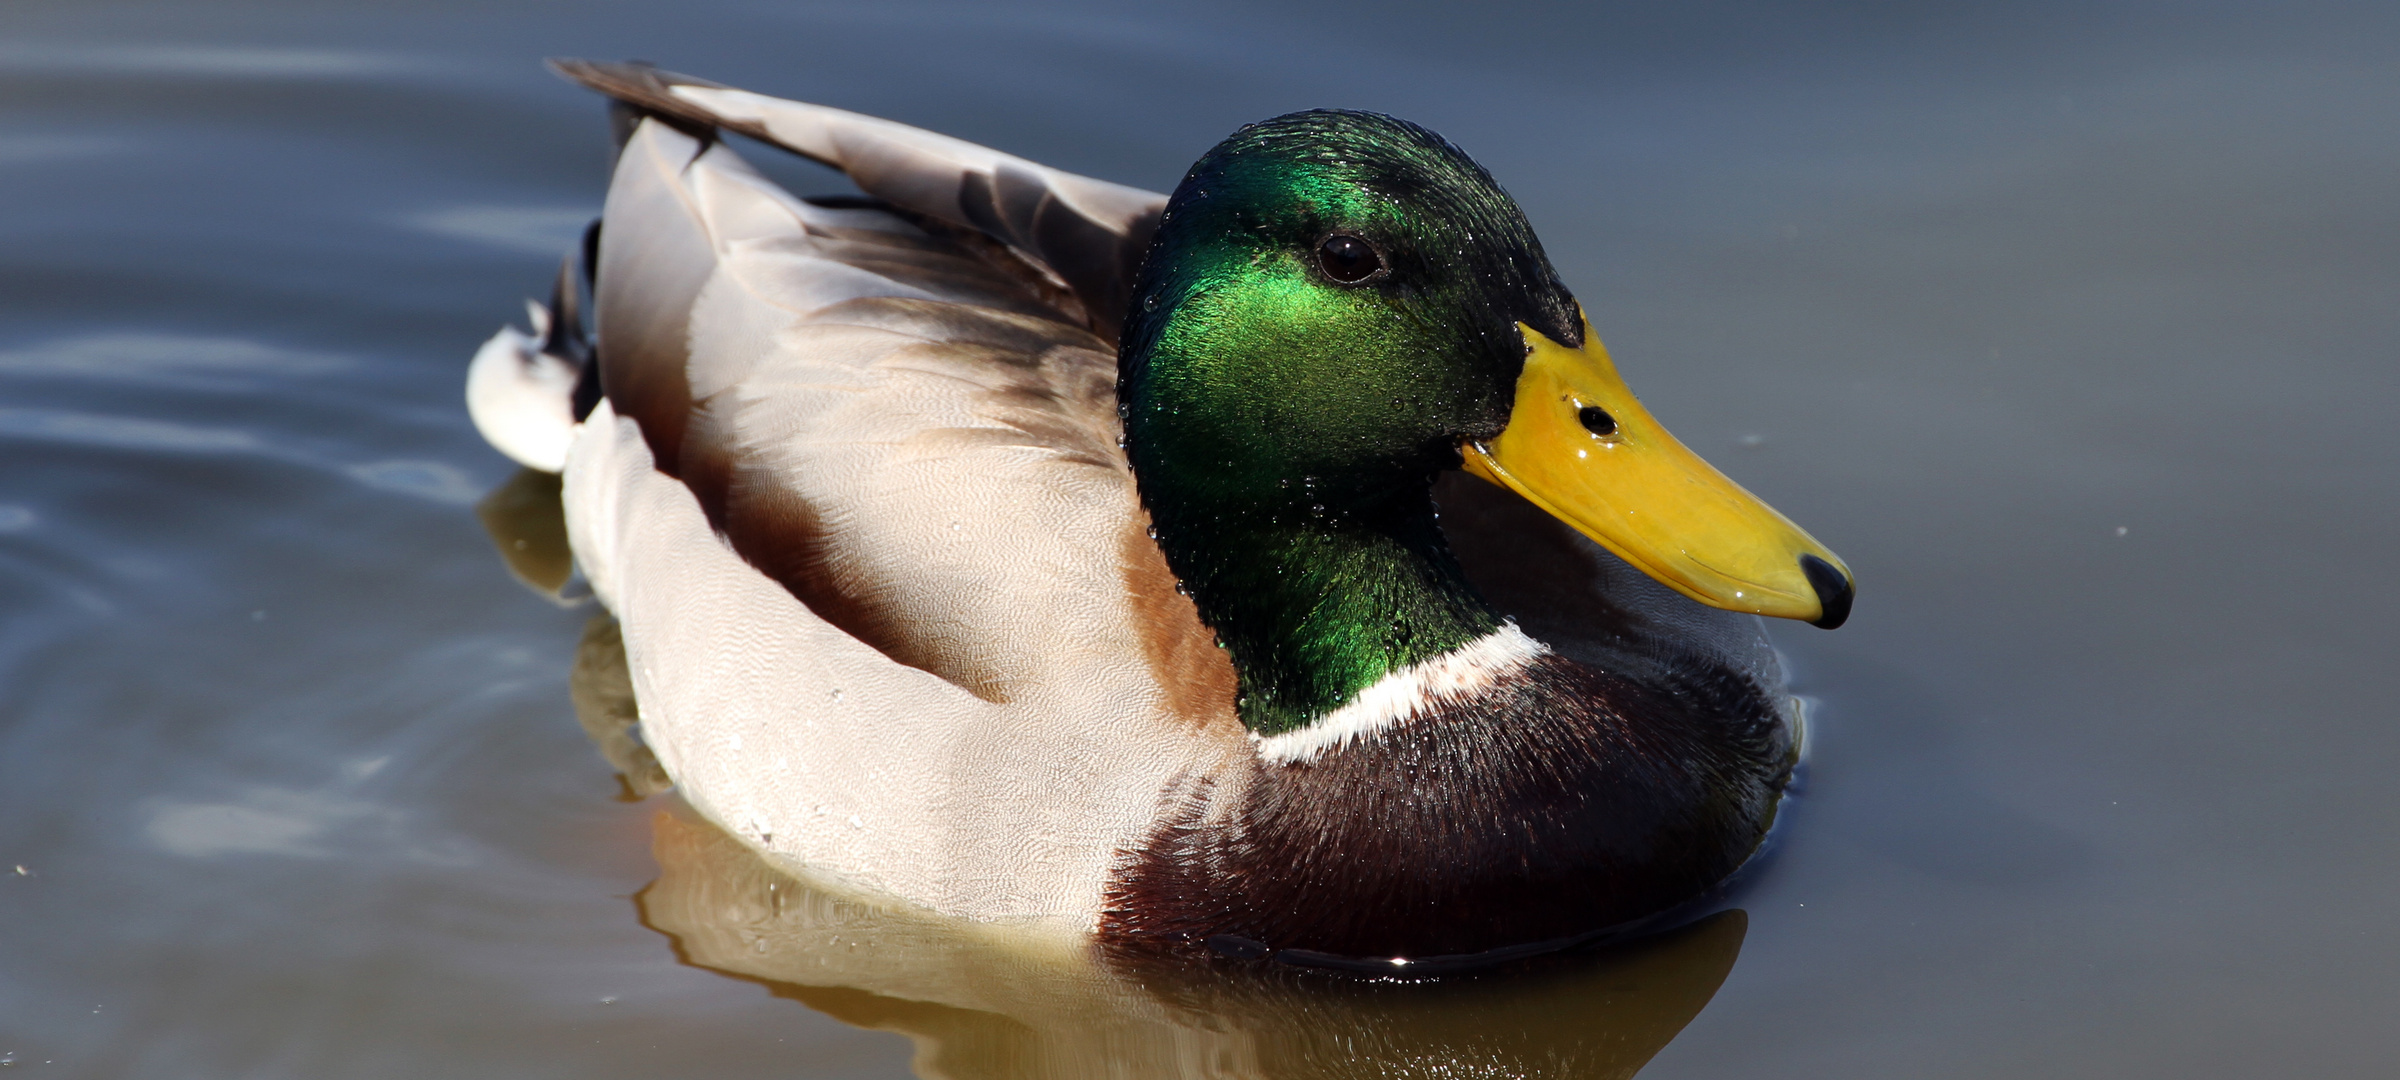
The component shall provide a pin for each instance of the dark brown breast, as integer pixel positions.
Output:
(1568, 802)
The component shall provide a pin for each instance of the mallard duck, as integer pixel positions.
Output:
(1278, 568)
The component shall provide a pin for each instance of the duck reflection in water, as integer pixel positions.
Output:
(998, 1000)
(991, 1000)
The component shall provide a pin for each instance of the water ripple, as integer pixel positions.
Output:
(122, 432)
(147, 355)
(206, 61)
(537, 230)
(21, 149)
(430, 480)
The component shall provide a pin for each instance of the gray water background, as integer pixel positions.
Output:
(2072, 327)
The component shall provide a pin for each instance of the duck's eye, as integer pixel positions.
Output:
(1596, 420)
(1348, 259)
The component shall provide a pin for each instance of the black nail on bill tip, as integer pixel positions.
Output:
(1834, 591)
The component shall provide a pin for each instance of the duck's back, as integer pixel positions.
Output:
(855, 494)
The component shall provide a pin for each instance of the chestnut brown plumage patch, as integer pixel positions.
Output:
(1540, 812)
(1182, 652)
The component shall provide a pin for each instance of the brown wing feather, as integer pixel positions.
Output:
(1089, 235)
(653, 259)
(906, 437)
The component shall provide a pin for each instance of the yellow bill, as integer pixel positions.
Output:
(1579, 446)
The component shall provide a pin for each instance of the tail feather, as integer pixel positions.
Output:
(564, 337)
(525, 390)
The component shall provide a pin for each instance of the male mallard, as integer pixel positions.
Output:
(1030, 547)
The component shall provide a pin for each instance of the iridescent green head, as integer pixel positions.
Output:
(1331, 305)
(1332, 294)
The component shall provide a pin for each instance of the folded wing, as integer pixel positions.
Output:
(1090, 235)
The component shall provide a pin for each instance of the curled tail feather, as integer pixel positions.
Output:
(527, 392)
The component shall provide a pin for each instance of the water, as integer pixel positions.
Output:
(2070, 326)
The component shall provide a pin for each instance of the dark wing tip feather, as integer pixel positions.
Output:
(650, 91)
(635, 81)
(1092, 256)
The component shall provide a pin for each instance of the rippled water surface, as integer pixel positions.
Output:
(2073, 327)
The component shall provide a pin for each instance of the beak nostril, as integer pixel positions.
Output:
(1834, 591)
(1596, 420)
